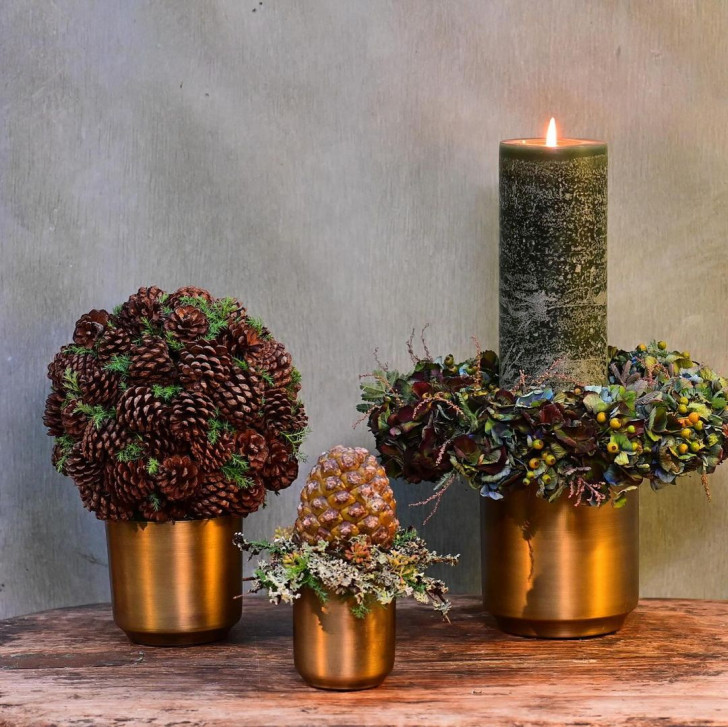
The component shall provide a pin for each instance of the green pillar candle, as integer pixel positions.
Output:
(553, 261)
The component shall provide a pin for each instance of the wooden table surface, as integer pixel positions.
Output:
(667, 667)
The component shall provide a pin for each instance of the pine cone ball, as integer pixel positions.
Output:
(187, 323)
(90, 327)
(347, 494)
(174, 406)
(177, 478)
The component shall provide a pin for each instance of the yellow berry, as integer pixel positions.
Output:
(642, 347)
(684, 400)
(534, 463)
(577, 390)
(686, 433)
(538, 443)
(601, 417)
(614, 423)
(686, 354)
(699, 425)
(694, 446)
(694, 417)
(529, 475)
(682, 409)
(546, 479)
(613, 448)
(550, 460)
(631, 429)
(661, 345)
(682, 448)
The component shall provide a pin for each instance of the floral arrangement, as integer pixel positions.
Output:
(174, 406)
(346, 541)
(660, 416)
(364, 572)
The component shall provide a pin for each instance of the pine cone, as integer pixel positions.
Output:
(281, 467)
(191, 412)
(212, 456)
(103, 505)
(187, 323)
(189, 291)
(243, 340)
(99, 387)
(82, 364)
(203, 366)
(177, 478)
(239, 396)
(92, 443)
(151, 363)
(130, 482)
(114, 437)
(275, 361)
(90, 327)
(278, 411)
(86, 474)
(218, 496)
(139, 410)
(144, 304)
(253, 447)
(52, 417)
(74, 421)
(115, 342)
(59, 452)
(162, 443)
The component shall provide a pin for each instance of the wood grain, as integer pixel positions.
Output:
(667, 667)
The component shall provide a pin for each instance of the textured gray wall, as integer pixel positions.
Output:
(334, 164)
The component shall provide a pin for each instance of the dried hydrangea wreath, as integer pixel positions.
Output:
(661, 416)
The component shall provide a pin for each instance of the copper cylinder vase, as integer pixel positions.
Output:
(553, 570)
(175, 583)
(334, 649)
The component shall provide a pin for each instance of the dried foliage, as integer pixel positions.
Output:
(158, 409)
(661, 416)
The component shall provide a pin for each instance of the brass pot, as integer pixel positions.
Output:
(333, 649)
(175, 583)
(557, 571)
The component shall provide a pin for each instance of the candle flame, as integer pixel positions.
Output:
(551, 133)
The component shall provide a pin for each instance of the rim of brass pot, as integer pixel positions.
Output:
(175, 583)
(553, 570)
(333, 649)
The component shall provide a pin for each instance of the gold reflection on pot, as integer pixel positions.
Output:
(557, 571)
(175, 583)
(333, 649)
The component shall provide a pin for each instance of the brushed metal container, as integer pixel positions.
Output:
(333, 649)
(552, 570)
(175, 583)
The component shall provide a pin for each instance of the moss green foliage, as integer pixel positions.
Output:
(97, 414)
(132, 452)
(216, 427)
(365, 573)
(173, 343)
(257, 324)
(296, 440)
(81, 350)
(70, 384)
(66, 444)
(661, 416)
(166, 393)
(119, 364)
(153, 466)
(266, 377)
(235, 470)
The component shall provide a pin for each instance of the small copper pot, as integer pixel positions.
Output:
(333, 649)
(553, 570)
(175, 583)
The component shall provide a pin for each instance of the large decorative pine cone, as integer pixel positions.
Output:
(90, 327)
(239, 396)
(115, 342)
(189, 291)
(251, 498)
(74, 421)
(276, 362)
(218, 496)
(100, 387)
(85, 473)
(347, 494)
(211, 456)
(114, 437)
(81, 364)
(187, 323)
(130, 482)
(244, 340)
(144, 305)
(203, 365)
(139, 410)
(92, 443)
(278, 411)
(253, 447)
(52, 417)
(177, 477)
(162, 443)
(190, 415)
(281, 467)
(151, 363)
